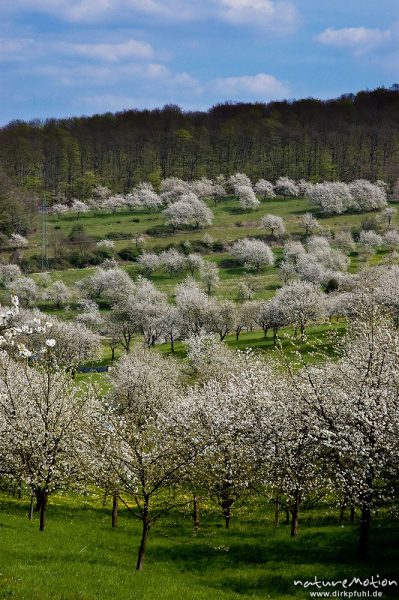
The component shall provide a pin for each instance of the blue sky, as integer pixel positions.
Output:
(72, 57)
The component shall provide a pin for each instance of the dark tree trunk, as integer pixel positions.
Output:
(363, 547)
(342, 512)
(196, 513)
(295, 514)
(39, 500)
(172, 344)
(352, 514)
(226, 504)
(143, 542)
(43, 509)
(277, 511)
(287, 516)
(31, 505)
(115, 504)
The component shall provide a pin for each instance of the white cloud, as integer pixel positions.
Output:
(15, 48)
(260, 87)
(148, 76)
(86, 11)
(275, 15)
(109, 102)
(278, 15)
(357, 39)
(110, 52)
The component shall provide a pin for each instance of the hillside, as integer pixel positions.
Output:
(347, 138)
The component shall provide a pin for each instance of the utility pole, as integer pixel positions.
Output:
(44, 235)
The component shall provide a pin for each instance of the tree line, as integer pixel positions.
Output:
(351, 137)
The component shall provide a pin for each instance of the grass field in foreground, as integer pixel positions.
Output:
(79, 556)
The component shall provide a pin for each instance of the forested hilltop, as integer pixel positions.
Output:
(354, 136)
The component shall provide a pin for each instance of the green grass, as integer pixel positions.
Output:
(79, 556)
(230, 223)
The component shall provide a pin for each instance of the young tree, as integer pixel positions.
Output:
(370, 238)
(389, 213)
(224, 413)
(192, 304)
(112, 203)
(143, 449)
(40, 412)
(309, 223)
(57, 293)
(188, 210)
(239, 180)
(353, 411)
(18, 241)
(172, 261)
(209, 275)
(343, 240)
(294, 468)
(247, 198)
(252, 253)
(221, 318)
(149, 262)
(246, 317)
(145, 197)
(8, 274)
(264, 188)
(79, 207)
(194, 262)
(332, 197)
(367, 196)
(245, 292)
(301, 303)
(286, 187)
(26, 289)
(108, 285)
(274, 223)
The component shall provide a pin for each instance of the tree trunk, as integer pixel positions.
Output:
(196, 513)
(352, 514)
(32, 500)
(172, 344)
(115, 504)
(39, 500)
(287, 516)
(295, 515)
(363, 547)
(342, 511)
(143, 543)
(226, 507)
(43, 509)
(277, 511)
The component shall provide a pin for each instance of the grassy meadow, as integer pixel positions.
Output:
(80, 557)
